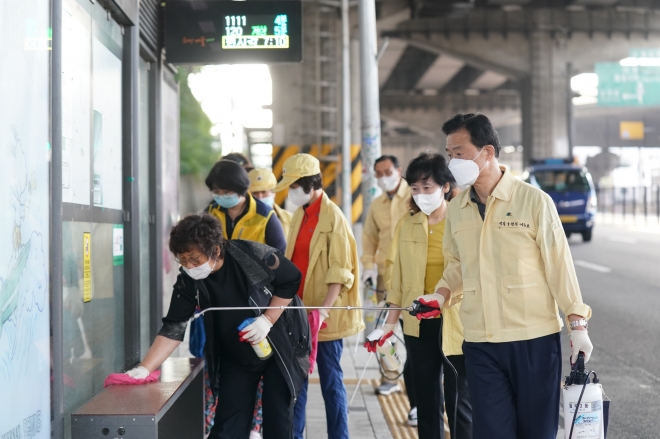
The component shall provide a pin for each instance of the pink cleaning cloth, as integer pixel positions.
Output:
(314, 319)
(122, 378)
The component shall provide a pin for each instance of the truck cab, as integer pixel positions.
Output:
(571, 188)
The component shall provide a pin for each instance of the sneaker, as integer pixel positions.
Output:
(412, 417)
(387, 388)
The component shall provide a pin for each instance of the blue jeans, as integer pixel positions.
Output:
(333, 390)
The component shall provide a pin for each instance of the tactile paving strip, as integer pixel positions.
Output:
(395, 409)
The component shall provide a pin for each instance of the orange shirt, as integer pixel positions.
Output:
(300, 256)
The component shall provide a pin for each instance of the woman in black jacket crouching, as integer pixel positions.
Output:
(219, 273)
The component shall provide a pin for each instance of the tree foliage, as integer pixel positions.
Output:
(196, 148)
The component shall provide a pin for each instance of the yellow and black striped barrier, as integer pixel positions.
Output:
(330, 160)
(356, 183)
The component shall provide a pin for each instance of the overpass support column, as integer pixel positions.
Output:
(544, 94)
(369, 98)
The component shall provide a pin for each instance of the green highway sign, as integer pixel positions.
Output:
(645, 53)
(628, 86)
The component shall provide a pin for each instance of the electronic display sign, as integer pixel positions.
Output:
(233, 32)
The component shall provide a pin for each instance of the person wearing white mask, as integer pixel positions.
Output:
(321, 244)
(418, 263)
(510, 268)
(243, 216)
(385, 212)
(216, 272)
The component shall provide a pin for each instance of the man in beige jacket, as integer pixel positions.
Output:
(385, 212)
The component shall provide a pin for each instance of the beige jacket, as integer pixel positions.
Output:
(409, 251)
(332, 259)
(378, 230)
(285, 218)
(511, 270)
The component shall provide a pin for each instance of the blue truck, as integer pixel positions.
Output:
(571, 188)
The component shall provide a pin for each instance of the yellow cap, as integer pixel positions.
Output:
(295, 167)
(262, 179)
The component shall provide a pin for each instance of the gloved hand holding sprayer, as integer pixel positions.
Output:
(424, 307)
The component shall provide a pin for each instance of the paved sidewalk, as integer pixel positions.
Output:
(366, 419)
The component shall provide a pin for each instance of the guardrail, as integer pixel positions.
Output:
(633, 202)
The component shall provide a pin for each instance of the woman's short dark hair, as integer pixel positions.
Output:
(198, 232)
(310, 182)
(481, 131)
(429, 165)
(229, 176)
(239, 158)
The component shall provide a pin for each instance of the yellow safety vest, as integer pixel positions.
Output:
(251, 227)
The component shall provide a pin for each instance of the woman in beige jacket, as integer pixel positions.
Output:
(418, 265)
(322, 246)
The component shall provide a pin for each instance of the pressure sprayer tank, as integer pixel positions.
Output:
(590, 420)
(387, 351)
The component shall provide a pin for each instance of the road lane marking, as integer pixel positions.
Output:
(592, 266)
(624, 239)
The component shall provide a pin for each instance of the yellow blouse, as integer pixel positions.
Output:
(435, 262)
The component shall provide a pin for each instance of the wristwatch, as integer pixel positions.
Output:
(581, 322)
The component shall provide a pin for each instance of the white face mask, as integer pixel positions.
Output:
(465, 172)
(389, 182)
(201, 272)
(298, 196)
(428, 203)
(268, 201)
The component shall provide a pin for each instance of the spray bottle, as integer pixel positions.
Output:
(387, 351)
(585, 410)
(263, 349)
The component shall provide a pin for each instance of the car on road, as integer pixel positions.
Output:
(571, 188)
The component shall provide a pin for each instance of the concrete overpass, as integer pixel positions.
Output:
(511, 59)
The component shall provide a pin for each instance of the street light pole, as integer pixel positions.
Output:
(570, 115)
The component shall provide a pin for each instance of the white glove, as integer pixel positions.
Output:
(256, 331)
(580, 342)
(139, 373)
(323, 315)
(370, 274)
(377, 338)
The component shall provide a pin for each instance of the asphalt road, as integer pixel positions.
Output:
(619, 274)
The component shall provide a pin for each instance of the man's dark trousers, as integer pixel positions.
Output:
(515, 387)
